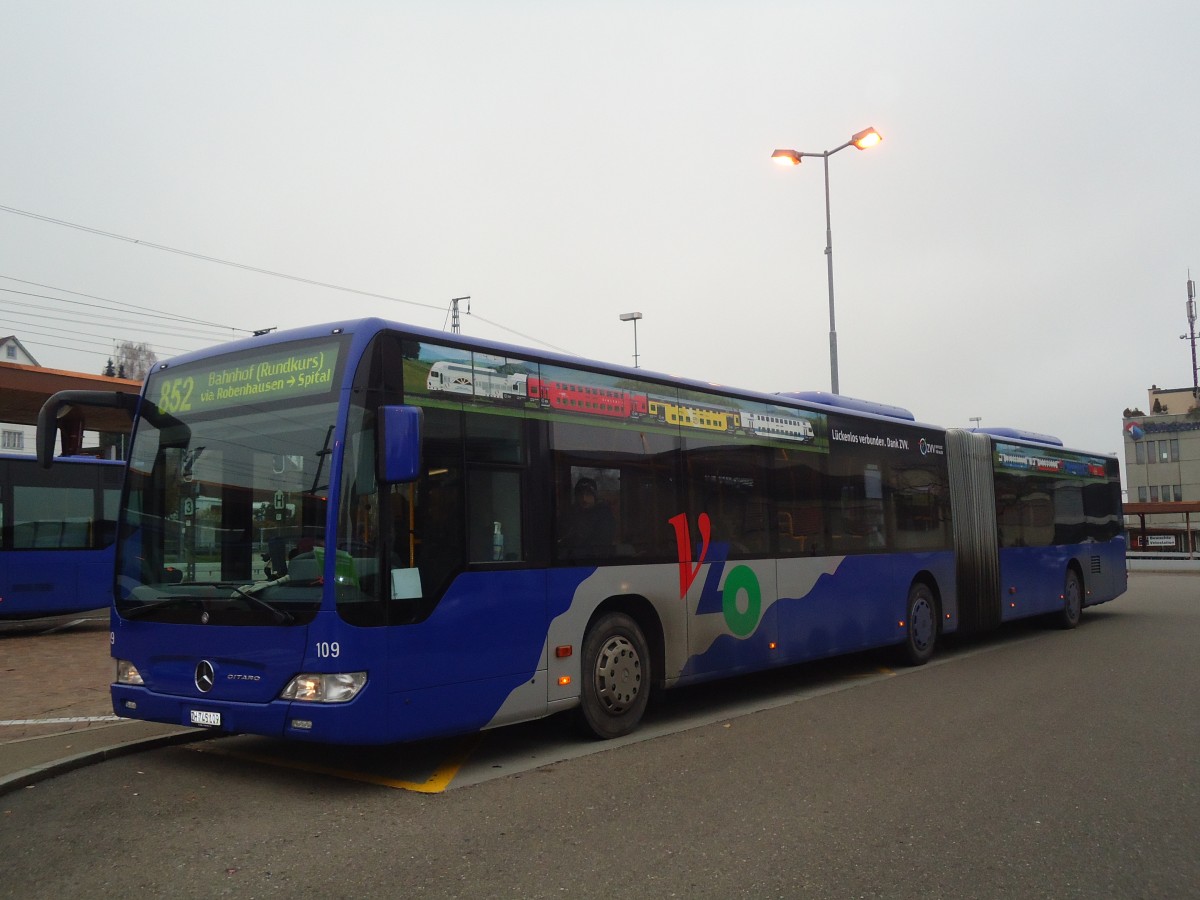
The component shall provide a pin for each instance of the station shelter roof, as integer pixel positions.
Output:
(23, 390)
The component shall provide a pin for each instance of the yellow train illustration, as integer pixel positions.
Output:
(703, 417)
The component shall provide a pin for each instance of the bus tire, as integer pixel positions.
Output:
(920, 625)
(1072, 609)
(616, 677)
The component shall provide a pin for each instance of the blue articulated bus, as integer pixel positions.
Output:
(368, 533)
(57, 535)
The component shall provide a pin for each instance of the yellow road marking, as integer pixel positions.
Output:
(434, 784)
(880, 670)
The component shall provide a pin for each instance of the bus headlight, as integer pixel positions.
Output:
(127, 673)
(318, 687)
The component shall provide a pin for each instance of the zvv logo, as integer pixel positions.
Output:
(717, 597)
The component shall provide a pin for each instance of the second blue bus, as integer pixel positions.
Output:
(58, 535)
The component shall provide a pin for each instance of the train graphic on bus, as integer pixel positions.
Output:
(587, 399)
(464, 379)
(788, 427)
(460, 378)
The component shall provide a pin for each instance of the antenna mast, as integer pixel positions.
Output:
(1191, 315)
(456, 328)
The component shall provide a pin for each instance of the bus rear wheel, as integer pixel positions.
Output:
(1068, 616)
(920, 625)
(616, 677)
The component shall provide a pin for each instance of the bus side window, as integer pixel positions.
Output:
(729, 484)
(634, 474)
(435, 545)
(494, 515)
(799, 491)
(53, 517)
(495, 451)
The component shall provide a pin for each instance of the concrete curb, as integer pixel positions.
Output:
(53, 759)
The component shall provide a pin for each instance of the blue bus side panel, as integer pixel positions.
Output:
(54, 582)
(1032, 578)
(495, 625)
(861, 605)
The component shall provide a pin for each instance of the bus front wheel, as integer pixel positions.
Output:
(616, 677)
(920, 625)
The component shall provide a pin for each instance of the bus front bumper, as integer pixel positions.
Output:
(343, 723)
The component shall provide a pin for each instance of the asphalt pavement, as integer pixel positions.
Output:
(55, 711)
(1029, 763)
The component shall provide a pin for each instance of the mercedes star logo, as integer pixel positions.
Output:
(205, 676)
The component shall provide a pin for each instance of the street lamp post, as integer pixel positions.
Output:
(863, 140)
(633, 317)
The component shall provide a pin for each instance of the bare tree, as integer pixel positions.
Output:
(131, 360)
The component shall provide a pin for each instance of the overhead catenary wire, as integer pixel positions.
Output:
(33, 327)
(196, 332)
(106, 346)
(141, 310)
(212, 259)
(259, 270)
(8, 303)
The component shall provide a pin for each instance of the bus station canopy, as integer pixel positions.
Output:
(23, 390)
(1178, 507)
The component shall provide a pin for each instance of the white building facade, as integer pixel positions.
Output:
(14, 438)
(1162, 464)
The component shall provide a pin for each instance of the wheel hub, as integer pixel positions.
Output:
(618, 675)
(921, 624)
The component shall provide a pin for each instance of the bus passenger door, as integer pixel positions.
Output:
(468, 649)
(725, 553)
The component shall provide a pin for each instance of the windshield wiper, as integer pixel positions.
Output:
(282, 616)
(155, 606)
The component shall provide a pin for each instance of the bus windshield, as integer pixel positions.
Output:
(227, 490)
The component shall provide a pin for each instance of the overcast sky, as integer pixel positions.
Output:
(1017, 249)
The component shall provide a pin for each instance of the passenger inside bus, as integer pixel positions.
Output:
(588, 529)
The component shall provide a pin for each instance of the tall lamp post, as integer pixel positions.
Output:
(633, 317)
(863, 140)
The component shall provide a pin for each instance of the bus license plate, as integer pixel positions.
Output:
(205, 718)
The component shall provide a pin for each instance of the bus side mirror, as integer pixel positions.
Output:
(62, 411)
(399, 444)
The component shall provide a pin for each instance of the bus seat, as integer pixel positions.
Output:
(305, 567)
(47, 534)
(75, 534)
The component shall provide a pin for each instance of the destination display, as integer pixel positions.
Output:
(302, 371)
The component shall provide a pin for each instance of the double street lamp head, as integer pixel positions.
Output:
(864, 140)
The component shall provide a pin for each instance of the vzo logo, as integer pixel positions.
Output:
(740, 584)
